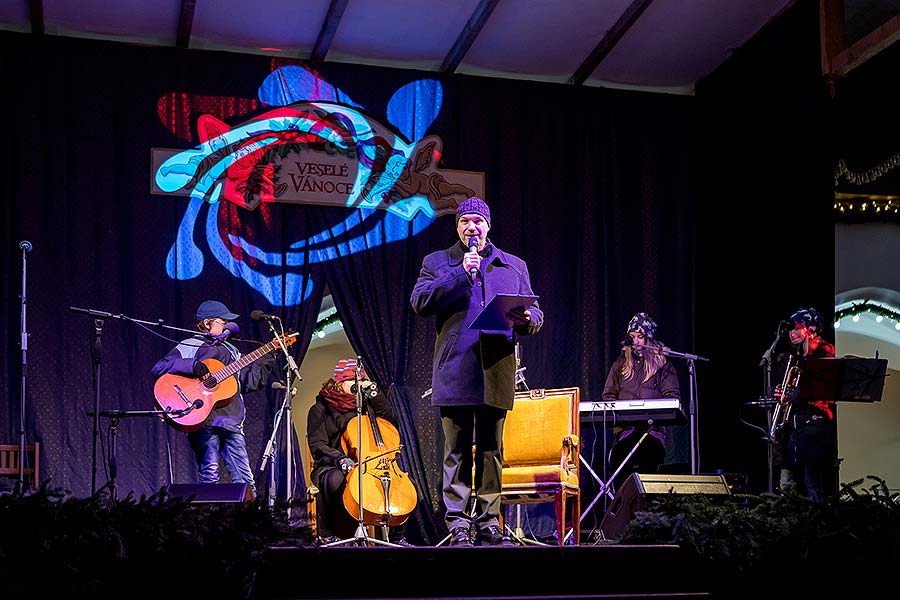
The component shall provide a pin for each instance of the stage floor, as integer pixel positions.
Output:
(603, 571)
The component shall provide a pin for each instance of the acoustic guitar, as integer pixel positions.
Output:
(187, 401)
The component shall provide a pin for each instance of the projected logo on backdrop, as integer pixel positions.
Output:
(322, 150)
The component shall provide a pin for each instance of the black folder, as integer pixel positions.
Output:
(846, 379)
(493, 316)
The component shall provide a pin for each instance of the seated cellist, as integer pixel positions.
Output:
(328, 418)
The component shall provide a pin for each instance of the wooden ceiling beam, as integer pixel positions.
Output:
(185, 23)
(468, 35)
(329, 28)
(852, 57)
(831, 31)
(615, 33)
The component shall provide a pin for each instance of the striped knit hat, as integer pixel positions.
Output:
(346, 369)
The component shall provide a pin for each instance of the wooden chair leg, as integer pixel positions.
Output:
(576, 520)
(560, 501)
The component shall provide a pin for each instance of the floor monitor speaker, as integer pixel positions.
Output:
(640, 487)
(205, 493)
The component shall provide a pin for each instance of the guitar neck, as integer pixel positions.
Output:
(232, 368)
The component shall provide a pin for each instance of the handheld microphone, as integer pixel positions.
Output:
(473, 247)
(230, 329)
(627, 341)
(258, 315)
(26, 246)
(785, 325)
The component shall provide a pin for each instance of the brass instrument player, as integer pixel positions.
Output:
(806, 441)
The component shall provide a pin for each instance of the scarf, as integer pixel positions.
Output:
(339, 401)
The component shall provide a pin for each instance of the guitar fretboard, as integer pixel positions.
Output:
(232, 368)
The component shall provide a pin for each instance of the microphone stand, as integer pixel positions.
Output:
(26, 247)
(692, 400)
(102, 314)
(99, 316)
(361, 536)
(114, 416)
(766, 364)
(95, 355)
(285, 410)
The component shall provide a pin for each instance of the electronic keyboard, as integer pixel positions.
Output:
(663, 411)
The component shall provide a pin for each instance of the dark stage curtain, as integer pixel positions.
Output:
(371, 291)
(591, 187)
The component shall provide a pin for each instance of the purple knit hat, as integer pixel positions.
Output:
(476, 206)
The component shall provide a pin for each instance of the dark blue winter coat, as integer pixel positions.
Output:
(472, 367)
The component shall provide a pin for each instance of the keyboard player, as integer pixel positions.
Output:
(640, 372)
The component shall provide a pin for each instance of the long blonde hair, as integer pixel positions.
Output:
(653, 361)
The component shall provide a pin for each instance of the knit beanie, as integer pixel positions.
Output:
(476, 206)
(642, 323)
(346, 369)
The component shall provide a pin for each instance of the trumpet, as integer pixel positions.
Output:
(783, 407)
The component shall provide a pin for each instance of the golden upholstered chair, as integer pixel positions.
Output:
(9, 462)
(540, 455)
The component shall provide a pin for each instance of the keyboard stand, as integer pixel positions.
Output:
(605, 486)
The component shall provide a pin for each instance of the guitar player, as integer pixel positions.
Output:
(222, 432)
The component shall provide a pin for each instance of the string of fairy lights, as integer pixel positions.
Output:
(856, 309)
(865, 206)
(327, 323)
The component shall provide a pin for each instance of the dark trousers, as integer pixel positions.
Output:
(465, 473)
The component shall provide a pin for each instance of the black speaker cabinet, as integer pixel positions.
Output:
(206, 493)
(637, 489)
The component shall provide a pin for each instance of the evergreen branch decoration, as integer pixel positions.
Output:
(323, 324)
(869, 307)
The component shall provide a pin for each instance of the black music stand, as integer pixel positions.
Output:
(845, 379)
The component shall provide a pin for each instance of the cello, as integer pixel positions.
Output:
(376, 483)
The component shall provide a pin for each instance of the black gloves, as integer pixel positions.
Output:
(200, 369)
